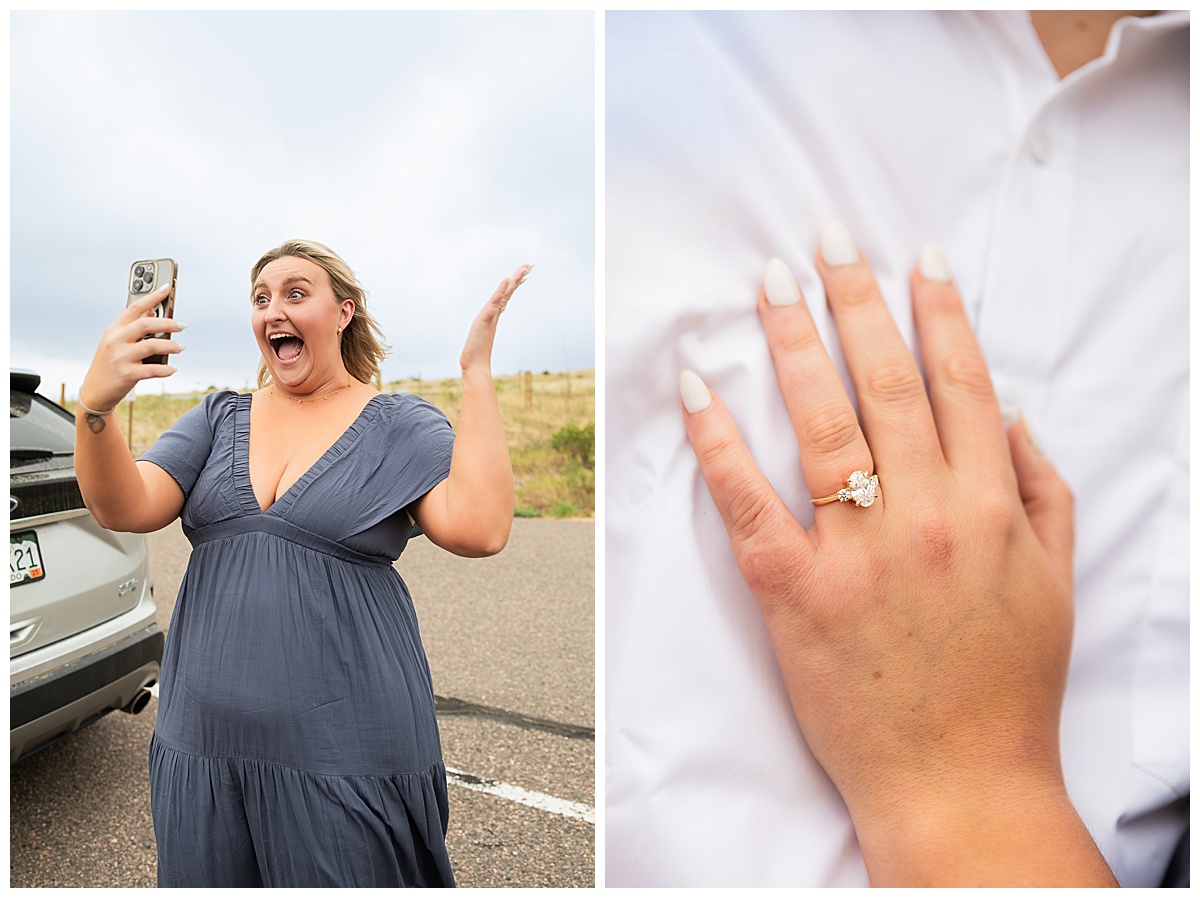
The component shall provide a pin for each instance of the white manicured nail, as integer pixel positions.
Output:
(932, 263)
(1009, 400)
(779, 284)
(696, 397)
(837, 246)
(1033, 440)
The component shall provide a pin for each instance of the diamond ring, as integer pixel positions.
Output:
(862, 488)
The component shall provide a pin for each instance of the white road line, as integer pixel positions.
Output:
(522, 796)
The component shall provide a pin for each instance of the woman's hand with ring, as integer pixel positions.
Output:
(924, 640)
(117, 365)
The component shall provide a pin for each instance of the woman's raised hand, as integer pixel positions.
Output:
(470, 512)
(117, 365)
(477, 353)
(923, 640)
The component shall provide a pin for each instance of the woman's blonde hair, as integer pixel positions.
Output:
(362, 340)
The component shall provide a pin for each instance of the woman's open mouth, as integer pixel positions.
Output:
(287, 346)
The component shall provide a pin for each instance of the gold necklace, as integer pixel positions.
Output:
(334, 393)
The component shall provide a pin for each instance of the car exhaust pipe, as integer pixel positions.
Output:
(139, 701)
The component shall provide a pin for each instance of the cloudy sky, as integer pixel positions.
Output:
(435, 152)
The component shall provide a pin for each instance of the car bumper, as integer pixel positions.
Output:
(58, 703)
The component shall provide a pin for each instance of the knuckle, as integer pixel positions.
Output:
(716, 454)
(895, 379)
(999, 510)
(935, 540)
(759, 567)
(948, 530)
(966, 372)
(995, 511)
(798, 344)
(832, 428)
(749, 512)
(855, 293)
(1063, 494)
(939, 299)
(770, 570)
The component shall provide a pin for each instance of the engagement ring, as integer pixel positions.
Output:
(862, 488)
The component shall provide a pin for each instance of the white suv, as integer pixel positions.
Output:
(83, 639)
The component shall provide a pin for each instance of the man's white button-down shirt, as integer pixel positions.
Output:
(1062, 208)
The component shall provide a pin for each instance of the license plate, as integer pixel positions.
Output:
(24, 559)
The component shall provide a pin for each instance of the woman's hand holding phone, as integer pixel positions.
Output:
(117, 365)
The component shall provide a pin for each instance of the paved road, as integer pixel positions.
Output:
(510, 642)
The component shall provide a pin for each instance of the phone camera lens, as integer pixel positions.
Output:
(139, 271)
(137, 286)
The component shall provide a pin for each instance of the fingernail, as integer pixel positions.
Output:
(932, 263)
(182, 326)
(1033, 440)
(696, 397)
(1009, 400)
(837, 246)
(779, 284)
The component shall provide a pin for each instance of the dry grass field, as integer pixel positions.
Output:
(551, 482)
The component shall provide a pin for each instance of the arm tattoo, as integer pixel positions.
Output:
(95, 423)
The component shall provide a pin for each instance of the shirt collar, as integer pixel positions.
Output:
(1138, 29)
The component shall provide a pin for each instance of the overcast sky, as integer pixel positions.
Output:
(435, 152)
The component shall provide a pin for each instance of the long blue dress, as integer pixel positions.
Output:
(296, 742)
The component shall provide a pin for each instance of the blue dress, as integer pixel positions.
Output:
(296, 742)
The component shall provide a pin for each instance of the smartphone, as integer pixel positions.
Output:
(146, 277)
